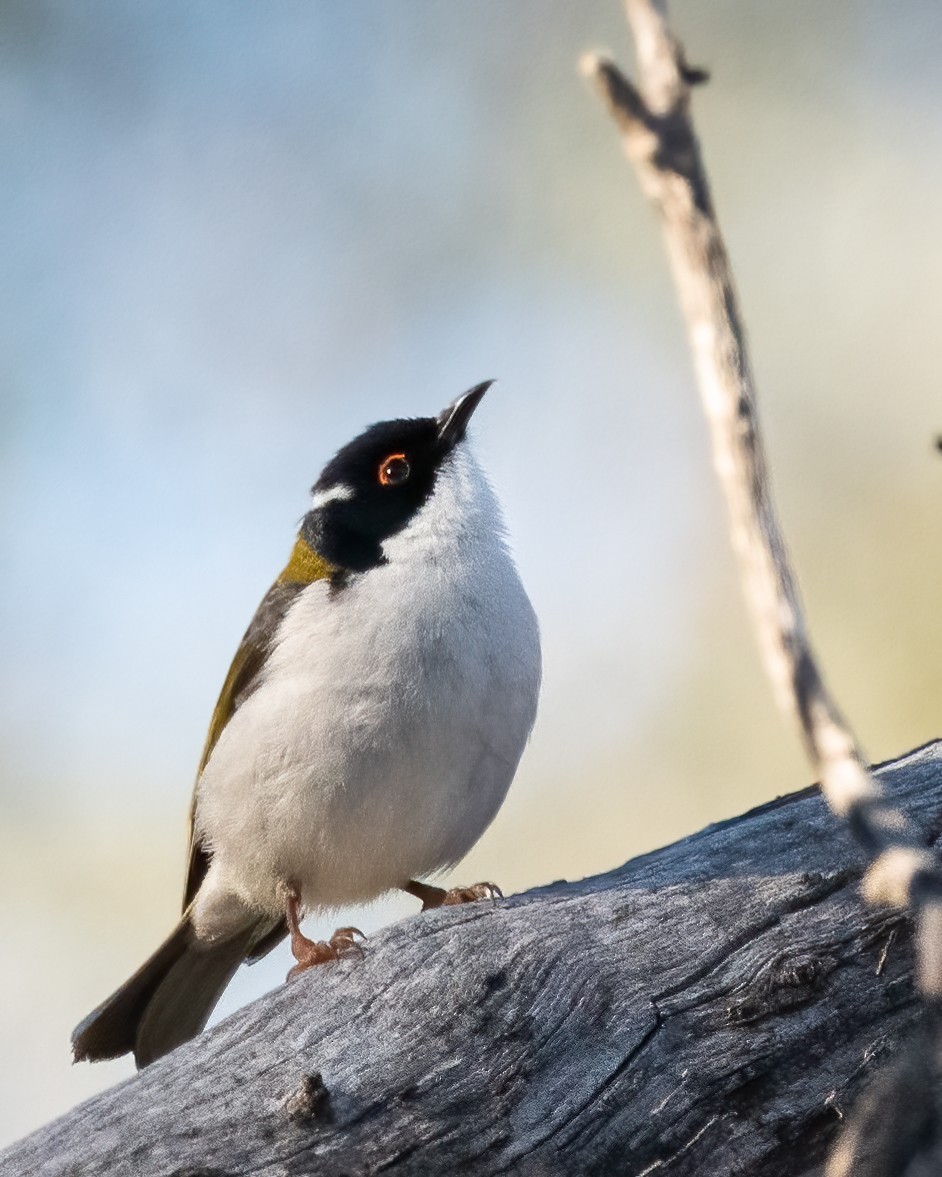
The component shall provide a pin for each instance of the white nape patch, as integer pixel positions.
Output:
(334, 494)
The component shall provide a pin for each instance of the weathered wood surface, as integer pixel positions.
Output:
(711, 1008)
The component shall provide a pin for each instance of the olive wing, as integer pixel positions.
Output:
(304, 568)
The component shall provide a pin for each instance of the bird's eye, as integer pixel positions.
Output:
(394, 470)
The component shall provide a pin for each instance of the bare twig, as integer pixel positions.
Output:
(659, 138)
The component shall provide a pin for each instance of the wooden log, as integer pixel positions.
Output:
(710, 1008)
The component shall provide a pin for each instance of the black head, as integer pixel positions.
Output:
(375, 485)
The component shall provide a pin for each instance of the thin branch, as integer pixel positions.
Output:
(659, 138)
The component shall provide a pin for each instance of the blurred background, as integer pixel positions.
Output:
(233, 234)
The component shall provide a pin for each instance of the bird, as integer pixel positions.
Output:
(366, 734)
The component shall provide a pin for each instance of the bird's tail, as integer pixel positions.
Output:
(168, 1000)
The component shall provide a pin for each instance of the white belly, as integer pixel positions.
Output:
(383, 737)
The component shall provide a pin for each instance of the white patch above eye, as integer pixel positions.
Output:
(333, 494)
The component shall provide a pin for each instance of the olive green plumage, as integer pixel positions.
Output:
(170, 997)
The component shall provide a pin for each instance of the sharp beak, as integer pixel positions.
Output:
(453, 422)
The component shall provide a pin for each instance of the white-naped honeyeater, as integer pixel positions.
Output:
(366, 734)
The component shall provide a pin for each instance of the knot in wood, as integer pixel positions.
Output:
(311, 1101)
(781, 984)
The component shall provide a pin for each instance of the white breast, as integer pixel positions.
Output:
(390, 719)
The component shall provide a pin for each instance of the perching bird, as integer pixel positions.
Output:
(366, 734)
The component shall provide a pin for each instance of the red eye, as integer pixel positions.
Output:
(394, 470)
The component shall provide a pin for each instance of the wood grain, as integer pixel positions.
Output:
(710, 1008)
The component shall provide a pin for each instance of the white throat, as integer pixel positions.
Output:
(461, 519)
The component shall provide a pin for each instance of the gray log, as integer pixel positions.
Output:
(711, 1008)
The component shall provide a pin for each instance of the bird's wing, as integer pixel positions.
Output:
(304, 567)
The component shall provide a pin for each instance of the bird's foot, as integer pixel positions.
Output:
(308, 953)
(439, 897)
(470, 894)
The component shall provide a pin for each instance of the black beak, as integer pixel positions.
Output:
(453, 422)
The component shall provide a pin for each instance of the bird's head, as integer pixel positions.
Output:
(374, 487)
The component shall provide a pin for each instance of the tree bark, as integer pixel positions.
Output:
(710, 1008)
(657, 131)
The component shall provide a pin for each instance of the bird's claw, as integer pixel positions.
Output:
(347, 941)
(472, 894)
(343, 943)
